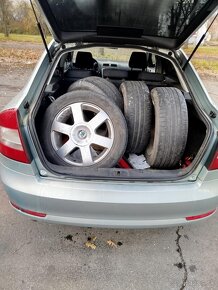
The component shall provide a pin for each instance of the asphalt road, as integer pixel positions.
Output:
(36, 255)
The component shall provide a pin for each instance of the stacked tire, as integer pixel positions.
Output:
(169, 130)
(157, 123)
(94, 124)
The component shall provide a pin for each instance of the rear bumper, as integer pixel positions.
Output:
(107, 204)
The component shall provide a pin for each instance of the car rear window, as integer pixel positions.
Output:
(168, 18)
(111, 54)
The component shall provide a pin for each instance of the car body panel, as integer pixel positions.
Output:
(103, 203)
(169, 25)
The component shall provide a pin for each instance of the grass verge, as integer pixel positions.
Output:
(203, 51)
(24, 38)
(206, 66)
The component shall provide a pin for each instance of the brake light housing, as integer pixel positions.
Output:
(11, 144)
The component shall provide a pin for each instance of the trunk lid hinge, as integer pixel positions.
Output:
(41, 32)
(199, 42)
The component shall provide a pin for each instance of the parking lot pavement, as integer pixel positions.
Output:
(42, 256)
(211, 86)
(36, 255)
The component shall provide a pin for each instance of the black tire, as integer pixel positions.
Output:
(101, 86)
(170, 132)
(114, 115)
(138, 114)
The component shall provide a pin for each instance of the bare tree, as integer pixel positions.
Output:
(23, 18)
(5, 15)
(179, 15)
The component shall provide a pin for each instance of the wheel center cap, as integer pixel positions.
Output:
(82, 134)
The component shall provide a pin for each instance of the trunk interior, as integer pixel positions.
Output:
(160, 72)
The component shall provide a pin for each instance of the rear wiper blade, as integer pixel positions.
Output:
(199, 42)
(41, 32)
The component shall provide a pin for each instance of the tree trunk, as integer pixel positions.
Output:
(6, 30)
(5, 14)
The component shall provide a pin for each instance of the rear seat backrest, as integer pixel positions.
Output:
(138, 63)
(117, 76)
(115, 73)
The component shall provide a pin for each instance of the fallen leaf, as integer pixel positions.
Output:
(91, 239)
(90, 245)
(111, 244)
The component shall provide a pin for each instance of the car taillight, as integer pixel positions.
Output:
(10, 139)
(214, 163)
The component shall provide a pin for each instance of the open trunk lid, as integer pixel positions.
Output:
(155, 23)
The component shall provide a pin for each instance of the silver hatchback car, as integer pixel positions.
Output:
(114, 127)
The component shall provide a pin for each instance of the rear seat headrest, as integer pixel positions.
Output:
(84, 60)
(138, 60)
